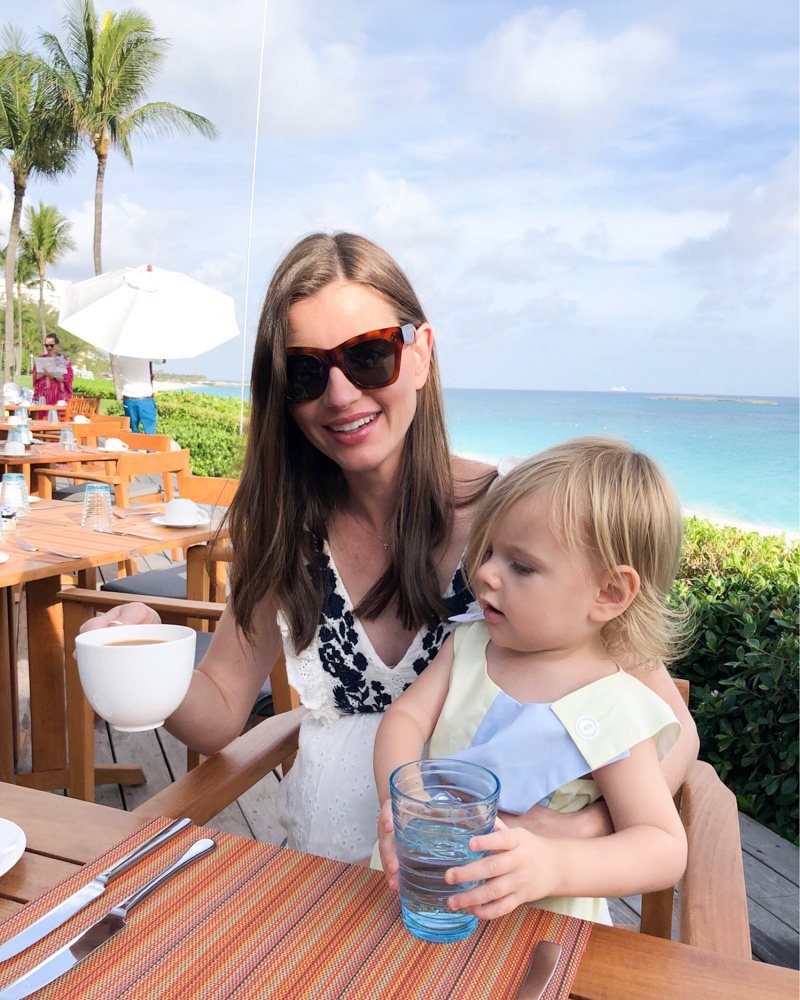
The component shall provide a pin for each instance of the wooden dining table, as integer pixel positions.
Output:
(63, 834)
(50, 455)
(56, 525)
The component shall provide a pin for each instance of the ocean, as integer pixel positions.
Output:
(731, 461)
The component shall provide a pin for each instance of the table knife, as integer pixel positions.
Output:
(99, 933)
(76, 902)
(540, 971)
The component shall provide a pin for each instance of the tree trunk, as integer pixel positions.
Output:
(11, 259)
(98, 209)
(98, 236)
(41, 305)
(18, 365)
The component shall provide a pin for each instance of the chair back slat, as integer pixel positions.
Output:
(81, 404)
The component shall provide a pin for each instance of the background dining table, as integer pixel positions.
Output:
(63, 834)
(56, 525)
(51, 455)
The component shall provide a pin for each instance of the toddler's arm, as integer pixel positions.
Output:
(405, 728)
(647, 851)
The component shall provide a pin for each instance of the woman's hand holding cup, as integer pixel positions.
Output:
(135, 613)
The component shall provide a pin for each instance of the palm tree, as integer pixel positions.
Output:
(45, 238)
(24, 277)
(36, 137)
(104, 69)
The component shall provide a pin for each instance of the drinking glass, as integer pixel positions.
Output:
(97, 506)
(14, 493)
(66, 439)
(437, 806)
(52, 416)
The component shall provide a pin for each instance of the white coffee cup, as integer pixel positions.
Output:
(14, 421)
(14, 448)
(61, 402)
(183, 513)
(80, 418)
(135, 676)
(114, 444)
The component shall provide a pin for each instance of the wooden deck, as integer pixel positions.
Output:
(770, 863)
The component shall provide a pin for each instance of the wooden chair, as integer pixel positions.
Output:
(712, 901)
(79, 606)
(129, 466)
(81, 404)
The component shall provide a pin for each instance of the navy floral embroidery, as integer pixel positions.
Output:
(338, 643)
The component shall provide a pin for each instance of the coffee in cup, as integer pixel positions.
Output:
(135, 676)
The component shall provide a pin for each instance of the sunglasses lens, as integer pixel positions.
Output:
(371, 363)
(306, 377)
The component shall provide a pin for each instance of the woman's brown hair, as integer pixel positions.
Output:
(289, 489)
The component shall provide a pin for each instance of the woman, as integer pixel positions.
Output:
(51, 387)
(348, 529)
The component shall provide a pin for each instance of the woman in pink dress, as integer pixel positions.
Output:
(53, 387)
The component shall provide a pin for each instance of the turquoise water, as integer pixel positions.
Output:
(730, 461)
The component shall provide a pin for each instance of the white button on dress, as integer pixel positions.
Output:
(587, 727)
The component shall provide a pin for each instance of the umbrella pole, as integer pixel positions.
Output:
(250, 220)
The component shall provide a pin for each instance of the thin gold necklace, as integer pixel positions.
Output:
(363, 527)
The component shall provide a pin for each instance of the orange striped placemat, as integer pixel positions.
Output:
(253, 921)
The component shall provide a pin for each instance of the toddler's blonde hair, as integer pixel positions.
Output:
(609, 505)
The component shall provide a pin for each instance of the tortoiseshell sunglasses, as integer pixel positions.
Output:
(370, 360)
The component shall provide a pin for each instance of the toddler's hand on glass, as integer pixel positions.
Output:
(511, 874)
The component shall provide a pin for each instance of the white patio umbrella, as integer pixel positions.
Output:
(147, 312)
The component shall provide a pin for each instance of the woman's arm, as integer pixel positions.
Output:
(647, 851)
(595, 821)
(226, 683)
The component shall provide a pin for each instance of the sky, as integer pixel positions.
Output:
(583, 196)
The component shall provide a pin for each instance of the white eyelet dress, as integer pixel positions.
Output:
(328, 803)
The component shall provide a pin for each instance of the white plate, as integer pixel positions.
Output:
(164, 524)
(4, 557)
(12, 845)
(34, 499)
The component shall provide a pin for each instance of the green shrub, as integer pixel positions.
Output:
(743, 667)
(104, 388)
(208, 426)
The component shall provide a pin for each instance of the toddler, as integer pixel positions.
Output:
(571, 559)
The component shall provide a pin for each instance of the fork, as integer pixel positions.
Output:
(136, 513)
(23, 544)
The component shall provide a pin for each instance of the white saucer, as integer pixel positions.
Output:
(12, 845)
(165, 524)
(4, 557)
(34, 499)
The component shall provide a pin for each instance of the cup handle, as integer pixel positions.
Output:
(124, 446)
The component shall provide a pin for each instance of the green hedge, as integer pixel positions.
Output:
(743, 667)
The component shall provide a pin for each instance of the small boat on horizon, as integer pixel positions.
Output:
(617, 388)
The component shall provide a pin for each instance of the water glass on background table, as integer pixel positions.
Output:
(52, 416)
(97, 506)
(437, 806)
(66, 439)
(14, 493)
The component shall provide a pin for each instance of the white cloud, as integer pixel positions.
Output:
(573, 86)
